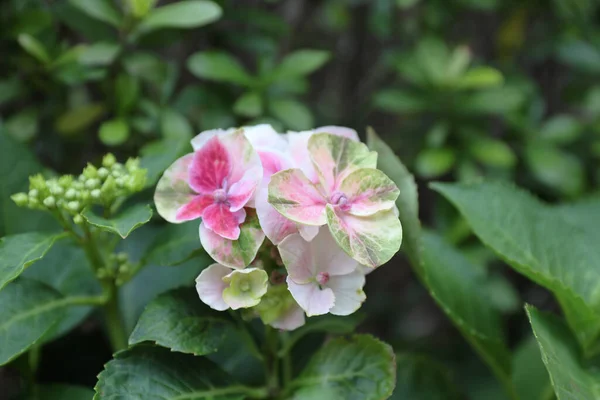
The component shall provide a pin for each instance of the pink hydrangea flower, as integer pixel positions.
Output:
(349, 194)
(322, 278)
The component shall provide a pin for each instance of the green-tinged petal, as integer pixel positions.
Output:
(368, 191)
(173, 190)
(234, 253)
(296, 198)
(279, 309)
(371, 240)
(246, 287)
(335, 157)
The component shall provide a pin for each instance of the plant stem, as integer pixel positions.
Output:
(114, 323)
(286, 361)
(272, 361)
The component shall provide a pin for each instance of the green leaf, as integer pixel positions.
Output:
(292, 113)
(183, 15)
(422, 378)
(175, 125)
(480, 77)
(79, 118)
(18, 252)
(141, 8)
(66, 269)
(434, 162)
(32, 46)
(399, 101)
(527, 234)
(580, 55)
(114, 132)
(175, 244)
(23, 125)
(124, 223)
(529, 375)
(499, 100)
(492, 152)
(145, 372)
(358, 368)
(127, 91)
(218, 66)
(61, 392)
(570, 379)
(561, 129)
(248, 105)
(29, 310)
(99, 53)
(556, 168)
(102, 10)
(179, 321)
(158, 155)
(301, 63)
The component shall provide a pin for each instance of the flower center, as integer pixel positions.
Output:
(339, 199)
(322, 278)
(244, 286)
(220, 195)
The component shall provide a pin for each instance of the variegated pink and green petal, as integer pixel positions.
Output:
(348, 292)
(218, 218)
(335, 157)
(292, 318)
(276, 226)
(200, 139)
(368, 191)
(296, 198)
(211, 167)
(234, 253)
(313, 299)
(372, 240)
(173, 191)
(339, 131)
(210, 286)
(245, 287)
(245, 162)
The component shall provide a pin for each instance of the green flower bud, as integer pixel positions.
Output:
(90, 171)
(65, 181)
(108, 160)
(49, 201)
(109, 186)
(103, 172)
(57, 190)
(133, 164)
(78, 219)
(95, 193)
(33, 193)
(92, 183)
(122, 257)
(37, 182)
(275, 303)
(71, 194)
(73, 205)
(119, 182)
(20, 199)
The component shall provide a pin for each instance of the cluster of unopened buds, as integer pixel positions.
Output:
(94, 186)
(328, 215)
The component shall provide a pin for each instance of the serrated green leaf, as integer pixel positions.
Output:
(124, 223)
(178, 320)
(218, 66)
(102, 10)
(358, 368)
(18, 252)
(292, 113)
(175, 244)
(28, 309)
(538, 242)
(422, 378)
(66, 269)
(300, 63)
(146, 372)
(570, 379)
(529, 375)
(182, 15)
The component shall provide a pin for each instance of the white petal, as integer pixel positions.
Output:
(210, 286)
(339, 131)
(296, 254)
(201, 138)
(329, 256)
(290, 320)
(312, 299)
(276, 226)
(348, 291)
(264, 137)
(308, 232)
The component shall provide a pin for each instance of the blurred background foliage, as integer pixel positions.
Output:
(460, 89)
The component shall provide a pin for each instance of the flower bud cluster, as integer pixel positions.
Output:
(96, 185)
(118, 268)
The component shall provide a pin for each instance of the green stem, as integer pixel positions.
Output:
(272, 361)
(114, 323)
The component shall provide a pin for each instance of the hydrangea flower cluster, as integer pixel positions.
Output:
(327, 212)
(94, 186)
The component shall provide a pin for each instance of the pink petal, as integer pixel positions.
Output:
(173, 190)
(210, 168)
(292, 319)
(294, 196)
(223, 222)
(194, 208)
(348, 292)
(210, 286)
(243, 157)
(339, 131)
(311, 298)
(272, 162)
(298, 258)
(242, 191)
(276, 226)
